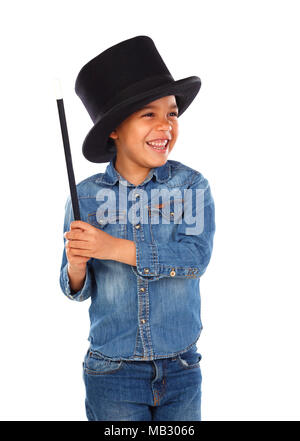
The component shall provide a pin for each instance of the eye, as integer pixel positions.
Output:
(151, 113)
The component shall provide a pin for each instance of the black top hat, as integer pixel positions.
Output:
(120, 81)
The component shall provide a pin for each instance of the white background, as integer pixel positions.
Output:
(242, 132)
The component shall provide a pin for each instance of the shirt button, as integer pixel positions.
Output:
(172, 273)
(172, 214)
(137, 226)
(137, 195)
(143, 321)
(146, 270)
(142, 289)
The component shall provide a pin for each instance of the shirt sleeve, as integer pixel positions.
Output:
(64, 281)
(189, 254)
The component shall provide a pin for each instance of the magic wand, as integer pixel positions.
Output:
(65, 136)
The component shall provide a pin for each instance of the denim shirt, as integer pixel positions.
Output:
(151, 310)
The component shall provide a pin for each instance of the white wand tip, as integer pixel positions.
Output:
(57, 88)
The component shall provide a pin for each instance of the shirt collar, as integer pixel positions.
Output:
(111, 176)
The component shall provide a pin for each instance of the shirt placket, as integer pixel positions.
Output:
(144, 347)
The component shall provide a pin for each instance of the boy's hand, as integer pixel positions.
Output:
(85, 241)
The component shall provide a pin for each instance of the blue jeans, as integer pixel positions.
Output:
(167, 389)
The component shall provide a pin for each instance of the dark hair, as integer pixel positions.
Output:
(111, 145)
(111, 142)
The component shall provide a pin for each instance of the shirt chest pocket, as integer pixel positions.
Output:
(114, 223)
(165, 218)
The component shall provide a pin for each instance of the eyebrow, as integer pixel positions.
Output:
(153, 106)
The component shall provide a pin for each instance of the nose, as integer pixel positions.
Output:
(164, 125)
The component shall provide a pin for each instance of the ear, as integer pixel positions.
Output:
(113, 135)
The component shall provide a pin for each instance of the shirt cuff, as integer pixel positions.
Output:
(80, 295)
(149, 267)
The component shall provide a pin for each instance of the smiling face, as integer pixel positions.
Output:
(155, 121)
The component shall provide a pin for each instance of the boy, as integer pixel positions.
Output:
(140, 254)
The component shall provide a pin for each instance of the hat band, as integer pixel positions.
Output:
(137, 88)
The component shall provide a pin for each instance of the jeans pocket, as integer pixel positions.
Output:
(190, 359)
(96, 364)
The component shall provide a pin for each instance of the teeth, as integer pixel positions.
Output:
(158, 144)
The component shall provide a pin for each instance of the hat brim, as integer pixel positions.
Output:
(96, 147)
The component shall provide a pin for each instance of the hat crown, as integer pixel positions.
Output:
(109, 78)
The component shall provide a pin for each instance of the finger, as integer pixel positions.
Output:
(73, 252)
(78, 259)
(80, 253)
(76, 234)
(78, 244)
(80, 224)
